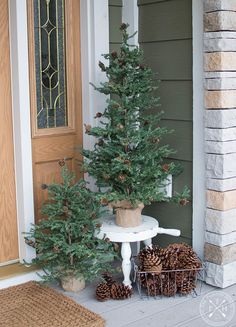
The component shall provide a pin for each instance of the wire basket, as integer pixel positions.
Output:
(169, 283)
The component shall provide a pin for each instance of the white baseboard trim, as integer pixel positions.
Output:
(20, 279)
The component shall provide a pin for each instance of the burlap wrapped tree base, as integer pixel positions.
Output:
(126, 215)
(33, 305)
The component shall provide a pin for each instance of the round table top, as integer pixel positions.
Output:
(109, 229)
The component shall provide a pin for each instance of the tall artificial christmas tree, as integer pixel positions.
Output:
(65, 243)
(129, 156)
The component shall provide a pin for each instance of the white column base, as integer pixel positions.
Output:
(221, 275)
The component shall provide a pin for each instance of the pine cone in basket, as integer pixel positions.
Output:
(153, 286)
(168, 286)
(152, 263)
(179, 256)
(145, 252)
(120, 291)
(108, 279)
(142, 279)
(103, 292)
(187, 287)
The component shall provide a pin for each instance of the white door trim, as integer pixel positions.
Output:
(21, 123)
(199, 196)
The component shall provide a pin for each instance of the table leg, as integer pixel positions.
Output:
(126, 263)
(148, 242)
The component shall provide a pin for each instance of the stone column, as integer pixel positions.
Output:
(220, 104)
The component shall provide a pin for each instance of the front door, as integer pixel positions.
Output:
(54, 54)
(8, 222)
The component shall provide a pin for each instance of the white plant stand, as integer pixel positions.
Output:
(145, 232)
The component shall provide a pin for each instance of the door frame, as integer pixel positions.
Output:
(94, 23)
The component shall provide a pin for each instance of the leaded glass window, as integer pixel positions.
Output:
(49, 34)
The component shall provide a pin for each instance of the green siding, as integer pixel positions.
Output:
(115, 20)
(165, 35)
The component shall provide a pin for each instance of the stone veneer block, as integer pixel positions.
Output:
(220, 222)
(215, 45)
(221, 200)
(220, 275)
(220, 118)
(220, 35)
(220, 147)
(220, 239)
(227, 74)
(220, 61)
(220, 21)
(221, 166)
(220, 83)
(221, 185)
(215, 5)
(220, 99)
(220, 134)
(220, 255)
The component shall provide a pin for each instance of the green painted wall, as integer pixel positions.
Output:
(165, 35)
(115, 20)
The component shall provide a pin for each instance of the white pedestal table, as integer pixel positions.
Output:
(145, 232)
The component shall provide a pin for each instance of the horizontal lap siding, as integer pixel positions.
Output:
(165, 35)
(115, 20)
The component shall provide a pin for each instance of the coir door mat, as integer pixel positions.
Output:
(33, 305)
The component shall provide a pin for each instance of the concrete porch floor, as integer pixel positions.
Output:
(165, 312)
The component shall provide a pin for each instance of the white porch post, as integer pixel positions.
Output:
(130, 16)
(94, 22)
(21, 122)
(199, 196)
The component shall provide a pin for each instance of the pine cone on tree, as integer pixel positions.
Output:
(108, 279)
(120, 291)
(103, 292)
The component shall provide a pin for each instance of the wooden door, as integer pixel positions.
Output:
(8, 222)
(56, 120)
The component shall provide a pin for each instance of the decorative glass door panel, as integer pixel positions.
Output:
(55, 85)
(50, 69)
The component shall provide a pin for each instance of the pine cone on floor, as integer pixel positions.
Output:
(120, 291)
(152, 263)
(103, 292)
(108, 279)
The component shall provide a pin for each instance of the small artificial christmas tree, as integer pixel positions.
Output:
(65, 242)
(129, 157)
